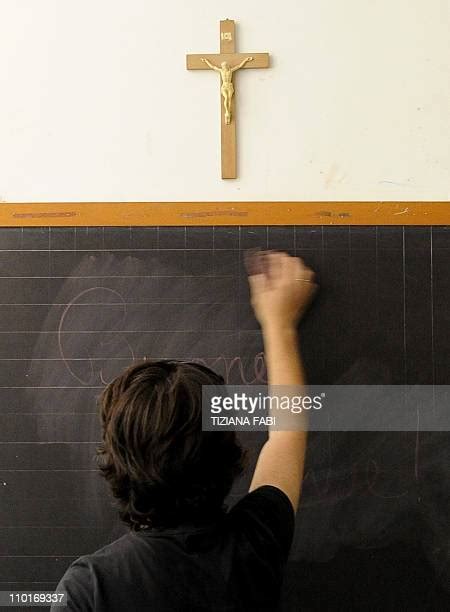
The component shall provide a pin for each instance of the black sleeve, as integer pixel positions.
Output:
(76, 582)
(266, 518)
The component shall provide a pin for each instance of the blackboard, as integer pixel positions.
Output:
(79, 304)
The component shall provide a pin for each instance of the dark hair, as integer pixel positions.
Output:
(161, 467)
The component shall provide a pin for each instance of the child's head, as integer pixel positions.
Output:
(162, 468)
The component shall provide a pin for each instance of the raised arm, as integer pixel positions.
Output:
(247, 59)
(281, 292)
(208, 63)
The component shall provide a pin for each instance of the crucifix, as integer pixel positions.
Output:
(226, 63)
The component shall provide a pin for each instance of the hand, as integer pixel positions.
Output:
(203, 60)
(281, 288)
(249, 59)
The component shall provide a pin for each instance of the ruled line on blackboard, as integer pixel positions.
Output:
(31, 387)
(433, 366)
(125, 250)
(90, 527)
(51, 470)
(71, 358)
(49, 582)
(178, 302)
(124, 331)
(178, 276)
(405, 361)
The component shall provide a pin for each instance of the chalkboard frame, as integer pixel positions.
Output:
(124, 214)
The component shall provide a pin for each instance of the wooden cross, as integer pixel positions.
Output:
(234, 61)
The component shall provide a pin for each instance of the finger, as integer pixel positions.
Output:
(288, 266)
(253, 261)
(275, 261)
(257, 283)
(302, 270)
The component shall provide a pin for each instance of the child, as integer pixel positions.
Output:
(183, 551)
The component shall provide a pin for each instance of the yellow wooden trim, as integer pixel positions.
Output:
(83, 214)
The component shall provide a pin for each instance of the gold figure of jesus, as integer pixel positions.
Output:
(227, 89)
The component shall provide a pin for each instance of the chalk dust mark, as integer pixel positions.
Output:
(329, 213)
(43, 215)
(214, 213)
(324, 213)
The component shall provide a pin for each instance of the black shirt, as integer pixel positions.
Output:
(234, 564)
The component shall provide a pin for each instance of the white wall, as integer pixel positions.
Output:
(96, 103)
